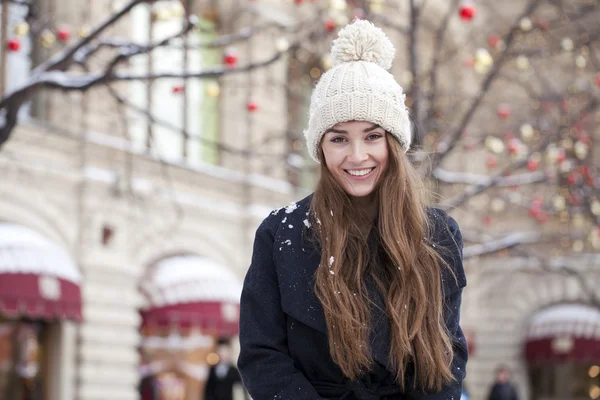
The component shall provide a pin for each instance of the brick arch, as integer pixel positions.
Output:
(42, 218)
(202, 246)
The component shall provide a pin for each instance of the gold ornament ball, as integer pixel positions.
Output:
(497, 205)
(494, 144)
(83, 31)
(47, 38)
(326, 62)
(282, 45)
(578, 246)
(559, 203)
(595, 207)
(580, 61)
(526, 131)
(522, 62)
(567, 44)
(581, 150)
(338, 5)
(21, 29)
(525, 24)
(213, 89)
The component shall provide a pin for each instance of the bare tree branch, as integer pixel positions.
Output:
(451, 138)
(507, 242)
(476, 179)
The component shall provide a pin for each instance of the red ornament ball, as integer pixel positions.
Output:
(298, 2)
(63, 34)
(503, 111)
(493, 41)
(466, 12)
(13, 44)
(491, 161)
(533, 164)
(252, 106)
(230, 58)
(330, 25)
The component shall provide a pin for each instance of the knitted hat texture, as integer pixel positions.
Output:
(358, 87)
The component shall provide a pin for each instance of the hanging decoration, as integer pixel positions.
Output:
(503, 111)
(494, 144)
(525, 24)
(482, 61)
(252, 106)
(47, 38)
(13, 44)
(533, 164)
(282, 45)
(522, 62)
(230, 57)
(567, 44)
(491, 161)
(330, 24)
(497, 205)
(527, 132)
(21, 29)
(63, 34)
(83, 31)
(213, 89)
(494, 41)
(376, 6)
(466, 11)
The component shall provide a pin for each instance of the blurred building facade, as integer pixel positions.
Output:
(133, 239)
(123, 246)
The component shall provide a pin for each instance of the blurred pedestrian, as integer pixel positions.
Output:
(223, 376)
(354, 292)
(503, 389)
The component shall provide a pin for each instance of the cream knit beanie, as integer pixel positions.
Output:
(358, 87)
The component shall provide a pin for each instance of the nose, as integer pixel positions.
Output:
(358, 152)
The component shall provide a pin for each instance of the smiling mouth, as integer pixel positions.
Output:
(359, 172)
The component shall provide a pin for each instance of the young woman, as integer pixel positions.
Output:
(354, 292)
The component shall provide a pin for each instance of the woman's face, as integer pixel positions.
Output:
(356, 154)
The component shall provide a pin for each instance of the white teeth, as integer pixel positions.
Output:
(359, 172)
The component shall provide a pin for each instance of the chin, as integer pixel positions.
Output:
(360, 192)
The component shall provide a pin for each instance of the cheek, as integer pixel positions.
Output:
(332, 159)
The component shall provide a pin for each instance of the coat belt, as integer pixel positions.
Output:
(354, 390)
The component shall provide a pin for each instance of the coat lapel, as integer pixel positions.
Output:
(297, 259)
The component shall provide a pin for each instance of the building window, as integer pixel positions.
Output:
(15, 57)
(185, 111)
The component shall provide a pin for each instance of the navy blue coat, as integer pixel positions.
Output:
(283, 335)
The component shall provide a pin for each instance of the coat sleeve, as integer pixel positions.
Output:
(267, 370)
(451, 240)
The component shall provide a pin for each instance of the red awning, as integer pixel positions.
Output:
(37, 278)
(564, 333)
(190, 292)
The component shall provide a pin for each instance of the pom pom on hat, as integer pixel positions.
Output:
(362, 41)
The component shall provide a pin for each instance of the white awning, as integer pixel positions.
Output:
(576, 320)
(25, 251)
(187, 279)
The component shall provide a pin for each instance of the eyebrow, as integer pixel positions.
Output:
(343, 131)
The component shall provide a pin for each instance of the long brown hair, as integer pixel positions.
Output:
(409, 276)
